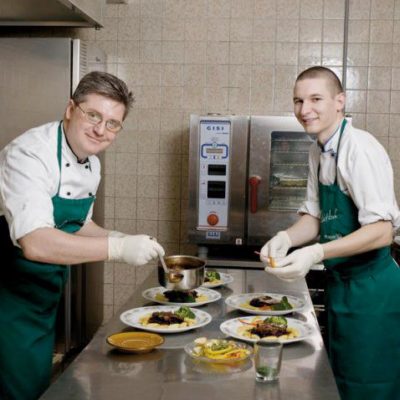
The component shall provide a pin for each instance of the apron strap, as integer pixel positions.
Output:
(59, 153)
(344, 122)
(338, 146)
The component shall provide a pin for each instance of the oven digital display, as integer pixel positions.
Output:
(216, 189)
(214, 169)
(214, 150)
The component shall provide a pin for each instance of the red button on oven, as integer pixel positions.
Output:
(212, 219)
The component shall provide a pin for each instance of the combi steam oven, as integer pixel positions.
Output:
(247, 177)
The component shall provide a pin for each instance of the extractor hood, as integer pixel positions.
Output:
(79, 13)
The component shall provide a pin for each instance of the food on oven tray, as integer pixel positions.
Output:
(181, 318)
(293, 182)
(212, 277)
(219, 349)
(177, 296)
(285, 181)
(268, 303)
(271, 328)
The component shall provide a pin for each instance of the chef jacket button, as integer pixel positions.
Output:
(67, 164)
(86, 166)
(90, 194)
(68, 193)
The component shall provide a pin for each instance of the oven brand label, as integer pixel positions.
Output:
(217, 126)
(213, 235)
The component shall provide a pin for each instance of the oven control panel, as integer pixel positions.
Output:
(214, 159)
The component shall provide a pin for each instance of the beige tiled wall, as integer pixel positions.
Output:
(228, 56)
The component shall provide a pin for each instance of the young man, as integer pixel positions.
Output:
(351, 205)
(48, 180)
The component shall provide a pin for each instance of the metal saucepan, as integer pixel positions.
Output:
(185, 272)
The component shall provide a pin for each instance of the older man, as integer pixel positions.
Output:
(48, 181)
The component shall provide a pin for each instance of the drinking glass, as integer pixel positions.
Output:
(267, 360)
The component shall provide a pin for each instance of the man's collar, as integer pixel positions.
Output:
(332, 143)
(69, 148)
(86, 160)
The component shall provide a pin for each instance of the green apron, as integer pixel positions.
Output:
(363, 306)
(29, 296)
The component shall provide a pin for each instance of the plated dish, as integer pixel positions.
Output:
(135, 342)
(214, 279)
(265, 303)
(163, 296)
(242, 328)
(163, 319)
(218, 350)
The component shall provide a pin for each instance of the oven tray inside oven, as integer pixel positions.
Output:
(290, 145)
(285, 204)
(279, 158)
(288, 182)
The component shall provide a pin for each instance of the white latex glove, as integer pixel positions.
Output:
(277, 247)
(133, 249)
(116, 234)
(297, 264)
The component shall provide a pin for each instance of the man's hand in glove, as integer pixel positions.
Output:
(133, 249)
(276, 248)
(297, 264)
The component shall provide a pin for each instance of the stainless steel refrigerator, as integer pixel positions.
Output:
(37, 78)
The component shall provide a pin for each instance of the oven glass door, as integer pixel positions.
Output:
(288, 170)
(278, 170)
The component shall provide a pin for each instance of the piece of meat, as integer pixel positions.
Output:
(177, 296)
(165, 318)
(263, 301)
(265, 329)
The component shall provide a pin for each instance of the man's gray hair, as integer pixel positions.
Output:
(104, 84)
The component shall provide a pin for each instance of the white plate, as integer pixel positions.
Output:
(189, 349)
(225, 280)
(212, 295)
(230, 328)
(237, 301)
(132, 317)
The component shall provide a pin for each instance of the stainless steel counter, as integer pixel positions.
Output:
(100, 373)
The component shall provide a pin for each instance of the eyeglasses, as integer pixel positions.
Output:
(96, 118)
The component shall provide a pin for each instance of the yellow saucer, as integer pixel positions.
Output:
(135, 342)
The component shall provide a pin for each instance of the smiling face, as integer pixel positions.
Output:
(317, 106)
(85, 138)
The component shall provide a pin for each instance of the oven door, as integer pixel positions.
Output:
(278, 170)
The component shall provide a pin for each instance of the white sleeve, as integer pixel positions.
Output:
(27, 187)
(368, 175)
(311, 204)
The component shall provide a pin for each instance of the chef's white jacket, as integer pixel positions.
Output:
(364, 173)
(30, 175)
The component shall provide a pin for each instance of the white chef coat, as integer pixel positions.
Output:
(30, 175)
(364, 172)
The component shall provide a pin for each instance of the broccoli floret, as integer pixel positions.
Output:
(213, 275)
(278, 320)
(185, 312)
(282, 305)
